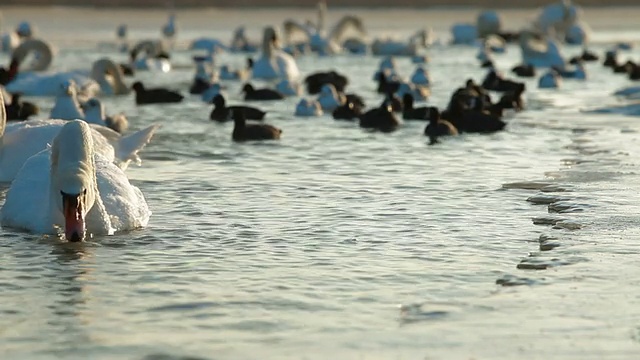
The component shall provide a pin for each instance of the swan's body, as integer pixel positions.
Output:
(540, 52)
(329, 98)
(208, 45)
(550, 80)
(154, 56)
(21, 140)
(288, 88)
(71, 186)
(557, 18)
(410, 47)
(308, 108)
(104, 76)
(464, 34)
(316, 36)
(94, 113)
(420, 77)
(274, 63)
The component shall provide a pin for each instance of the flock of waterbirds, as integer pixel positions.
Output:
(82, 172)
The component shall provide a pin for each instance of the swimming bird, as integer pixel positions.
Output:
(19, 110)
(288, 88)
(437, 127)
(94, 113)
(308, 108)
(524, 70)
(315, 81)
(203, 78)
(73, 187)
(539, 50)
(265, 94)
(67, 106)
(316, 36)
(550, 80)
(348, 111)
(411, 113)
(155, 95)
(420, 77)
(329, 98)
(245, 132)
(221, 112)
(381, 118)
(274, 63)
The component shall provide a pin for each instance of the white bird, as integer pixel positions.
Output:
(154, 56)
(316, 36)
(329, 98)
(539, 51)
(421, 77)
(94, 113)
(67, 106)
(288, 88)
(550, 80)
(71, 186)
(273, 62)
(21, 140)
(308, 108)
(410, 47)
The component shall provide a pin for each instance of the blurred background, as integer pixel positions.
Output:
(301, 3)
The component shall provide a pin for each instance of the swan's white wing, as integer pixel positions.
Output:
(125, 204)
(26, 206)
(348, 22)
(24, 139)
(287, 67)
(295, 32)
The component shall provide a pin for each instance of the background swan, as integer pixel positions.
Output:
(94, 113)
(150, 55)
(67, 106)
(82, 191)
(539, 51)
(317, 37)
(273, 62)
(32, 82)
(110, 77)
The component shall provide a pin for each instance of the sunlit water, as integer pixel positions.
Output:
(308, 247)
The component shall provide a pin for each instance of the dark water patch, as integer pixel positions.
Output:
(567, 225)
(413, 313)
(546, 220)
(544, 199)
(188, 306)
(172, 357)
(565, 207)
(512, 280)
(527, 185)
(536, 261)
(548, 242)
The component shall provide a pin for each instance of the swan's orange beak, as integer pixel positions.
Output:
(74, 224)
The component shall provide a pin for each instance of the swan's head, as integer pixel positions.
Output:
(73, 177)
(68, 88)
(24, 30)
(93, 106)
(328, 90)
(269, 36)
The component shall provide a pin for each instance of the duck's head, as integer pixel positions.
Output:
(137, 86)
(218, 100)
(247, 88)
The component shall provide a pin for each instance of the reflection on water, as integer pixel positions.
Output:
(336, 242)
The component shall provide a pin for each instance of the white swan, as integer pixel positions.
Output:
(488, 23)
(308, 108)
(67, 106)
(94, 113)
(578, 33)
(73, 187)
(557, 18)
(317, 37)
(421, 77)
(550, 80)
(209, 45)
(274, 63)
(464, 34)
(539, 52)
(110, 77)
(288, 88)
(30, 82)
(329, 98)
(410, 47)
(153, 56)
(21, 140)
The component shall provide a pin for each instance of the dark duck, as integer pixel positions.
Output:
(19, 110)
(265, 94)
(155, 95)
(246, 132)
(221, 112)
(438, 127)
(381, 118)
